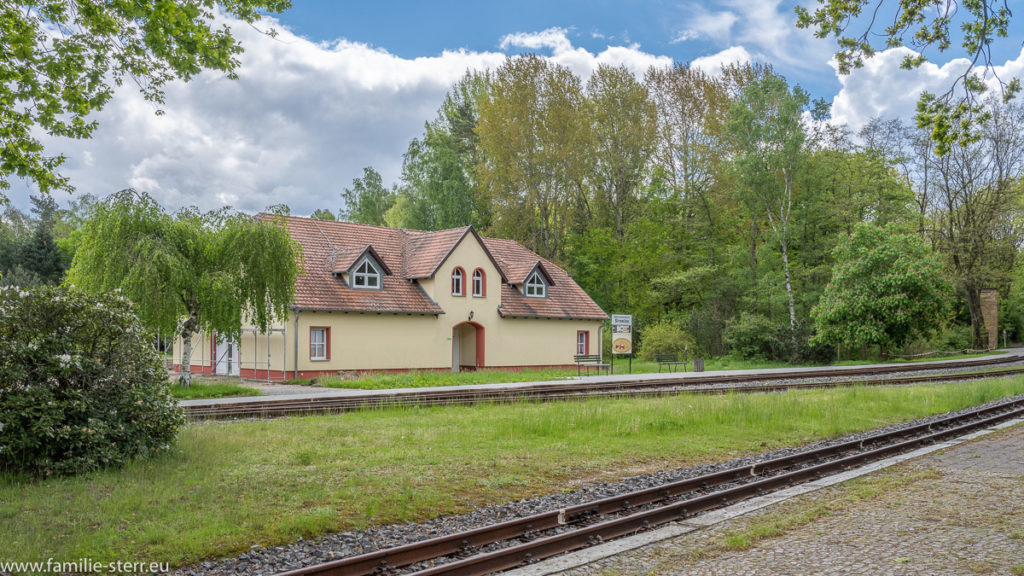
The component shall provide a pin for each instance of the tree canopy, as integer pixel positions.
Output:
(766, 128)
(62, 60)
(886, 288)
(367, 201)
(189, 271)
(923, 24)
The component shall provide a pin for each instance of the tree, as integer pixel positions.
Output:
(976, 193)
(323, 214)
(623, 132)
(533, 132)
(40, 254)
(691, 112)
(191, 271)
(886, 288)
(950, 118)
(62, 59)
(766, 129)
(909, 150)
(32, 257)
(439, 188)
(367, 201)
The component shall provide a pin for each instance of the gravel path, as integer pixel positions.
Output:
(272, 560)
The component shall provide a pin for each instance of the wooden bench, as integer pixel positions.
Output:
(670, 360)
(589, 361)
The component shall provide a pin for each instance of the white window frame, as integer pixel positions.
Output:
(371, 273)
(457, 282)
(318, 343)
(478, 283)
(535, 286)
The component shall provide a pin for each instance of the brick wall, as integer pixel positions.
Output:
(990, 314)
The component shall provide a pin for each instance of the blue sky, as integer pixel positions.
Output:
(347, 84)
(416, 29)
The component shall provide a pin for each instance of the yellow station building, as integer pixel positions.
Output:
(386, 299)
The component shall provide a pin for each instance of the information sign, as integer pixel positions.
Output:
(622, 334)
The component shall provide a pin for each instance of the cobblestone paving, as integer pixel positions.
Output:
(960, 512)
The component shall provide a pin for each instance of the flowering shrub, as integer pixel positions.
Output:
(81, 386)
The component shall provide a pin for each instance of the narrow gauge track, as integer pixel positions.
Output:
(526, 540)
(626, 387)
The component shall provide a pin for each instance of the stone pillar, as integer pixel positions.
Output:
(990, 314)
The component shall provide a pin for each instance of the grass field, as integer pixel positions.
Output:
(212, 390)
(229, 485)
(441, 378)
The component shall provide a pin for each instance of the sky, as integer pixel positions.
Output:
(345, 85)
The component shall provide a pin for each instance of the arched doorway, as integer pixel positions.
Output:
(467, 346)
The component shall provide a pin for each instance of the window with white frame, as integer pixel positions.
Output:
(535, 287)
(582, 342)
(478, 282)
(366, 276)
(319, 341)
(457, 282)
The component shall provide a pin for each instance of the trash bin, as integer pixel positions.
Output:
(698, 364)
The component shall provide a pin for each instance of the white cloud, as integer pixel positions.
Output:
(299, 124)
(555, 39)
(704, 24)
(764, 28)
(714, 63)
(882, 88)
(579, 60)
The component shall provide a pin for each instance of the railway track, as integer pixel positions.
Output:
(529, 539)
(707, 384)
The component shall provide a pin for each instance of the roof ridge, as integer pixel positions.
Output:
(332, 255)
(403, 251)
(360, 224)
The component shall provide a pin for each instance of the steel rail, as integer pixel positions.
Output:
(560, 391)
(863, 450)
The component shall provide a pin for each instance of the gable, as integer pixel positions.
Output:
(432, 254)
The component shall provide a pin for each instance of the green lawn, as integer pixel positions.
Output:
(427, 379)
(229, 485)
(215, 390)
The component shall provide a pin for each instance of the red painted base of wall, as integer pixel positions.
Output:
(197, 370)
(279, 376)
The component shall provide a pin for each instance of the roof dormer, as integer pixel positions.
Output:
(536, 282)
(362, 270)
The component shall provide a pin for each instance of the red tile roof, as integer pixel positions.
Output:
(331, 248)
(565, 298)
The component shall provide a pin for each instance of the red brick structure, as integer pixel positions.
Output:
(990, 315)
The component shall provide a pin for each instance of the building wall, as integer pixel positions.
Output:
(366, 341)
(252, 352)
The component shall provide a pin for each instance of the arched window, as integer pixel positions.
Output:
(535, 287)
(479, 283)
(457, 277)
(366, 276)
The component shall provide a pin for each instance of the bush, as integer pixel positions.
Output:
(666, 337)
(953, 339)
(808, 350)
(753, 336)
(81, 386)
